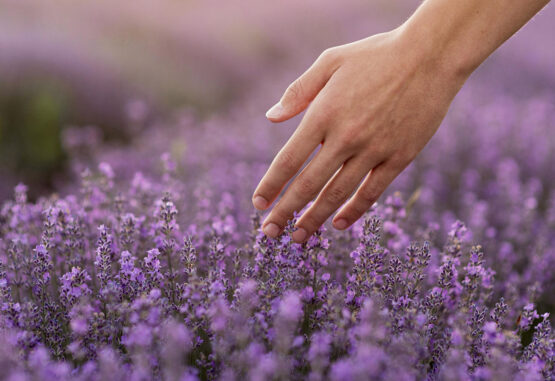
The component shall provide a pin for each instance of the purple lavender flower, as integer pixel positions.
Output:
(74, 286)
(153, 271)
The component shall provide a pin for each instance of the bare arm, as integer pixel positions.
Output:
(373, 105)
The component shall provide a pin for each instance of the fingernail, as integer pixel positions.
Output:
(260, 202)
(271, 230)
(340, 224)
(275, 111)
(299, 235)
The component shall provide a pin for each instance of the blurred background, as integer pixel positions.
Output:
(79, 75)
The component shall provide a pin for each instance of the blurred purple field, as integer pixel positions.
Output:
(134, 252)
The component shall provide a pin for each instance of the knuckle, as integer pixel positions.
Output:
(368, 196)
(330, 55)
(401, 160)
(285, 161)
(305, 187)
(324, 114)
(295, 90)
(350, 138)
(377, 151)
(335, 195)
(327, 54)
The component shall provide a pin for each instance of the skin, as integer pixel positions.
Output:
(372, 106)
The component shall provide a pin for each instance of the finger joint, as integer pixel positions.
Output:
(305, 188)
(286, 161)
(369, 196)
(335, 195)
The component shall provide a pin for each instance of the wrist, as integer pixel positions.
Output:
(444, 40)
(433, 52)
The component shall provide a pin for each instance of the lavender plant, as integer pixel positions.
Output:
(145, 282)
(156, 269)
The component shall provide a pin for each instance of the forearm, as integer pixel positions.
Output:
(457, 36)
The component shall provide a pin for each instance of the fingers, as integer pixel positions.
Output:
(305, 187)
(305, 88)
(336, 192)
(287, 163)
(368, 193)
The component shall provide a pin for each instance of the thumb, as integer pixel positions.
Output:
(305, 88)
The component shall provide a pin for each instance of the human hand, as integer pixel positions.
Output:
(373, 105)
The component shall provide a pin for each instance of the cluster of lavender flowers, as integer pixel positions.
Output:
(157, 278)
(148, 269)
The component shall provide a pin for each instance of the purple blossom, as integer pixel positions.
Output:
(264, 309)
(154, 266)
(74, 286)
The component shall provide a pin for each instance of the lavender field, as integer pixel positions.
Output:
(143, 257)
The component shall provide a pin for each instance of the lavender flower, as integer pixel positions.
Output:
(162, 272)
(74, 286)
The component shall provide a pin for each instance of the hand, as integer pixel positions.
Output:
(372, 105)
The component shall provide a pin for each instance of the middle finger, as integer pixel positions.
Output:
(303, 189)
